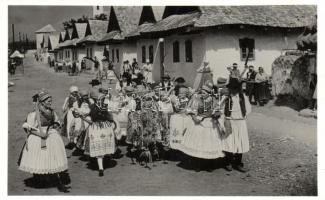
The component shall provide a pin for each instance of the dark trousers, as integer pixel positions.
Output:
(250, 91)
(234, 159)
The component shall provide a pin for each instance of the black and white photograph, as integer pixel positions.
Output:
(162, 100)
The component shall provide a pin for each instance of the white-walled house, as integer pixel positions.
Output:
(59, 50)
(222, 35)
(53, 43)
(42, 37)
(119, 26)
(95, 30)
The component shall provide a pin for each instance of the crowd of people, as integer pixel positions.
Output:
(154, 120)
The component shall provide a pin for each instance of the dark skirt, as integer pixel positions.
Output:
(262, 91)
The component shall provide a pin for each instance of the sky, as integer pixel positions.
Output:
(28, 19)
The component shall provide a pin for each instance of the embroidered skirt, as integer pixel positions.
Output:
(202, 140)
(179, 124)
(52, 159)
(101, 139)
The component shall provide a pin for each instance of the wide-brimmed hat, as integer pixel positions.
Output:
(166, 77)
(129, 89)
(180, 80)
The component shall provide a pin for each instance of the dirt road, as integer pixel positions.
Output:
(282, 159)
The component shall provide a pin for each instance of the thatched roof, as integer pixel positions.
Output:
(97, 30)
(120, 20)
(285, 16)
(308, 39)
(174, 22)
(46, 29)
(80, 29)
(149, 16)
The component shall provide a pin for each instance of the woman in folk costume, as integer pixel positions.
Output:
(101, 134)
(82, 117)
(202, 140)
(147, 68)
(165, 108)
(235, 138)
(70, 103)
(179, 96)
(43, 152)
(261, 79)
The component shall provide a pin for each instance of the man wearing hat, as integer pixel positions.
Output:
(235, 73)
(235, 134)
(166, 84)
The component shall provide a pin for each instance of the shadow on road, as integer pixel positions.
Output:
(46, 181)
(108, 163)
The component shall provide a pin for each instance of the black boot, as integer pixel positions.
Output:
(101, 173)
(238, 165)
(61, 187)
(228, 161)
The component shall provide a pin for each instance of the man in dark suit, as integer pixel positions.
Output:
(250, 85)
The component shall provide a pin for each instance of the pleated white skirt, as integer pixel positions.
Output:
(202, 140)
(51, 160)
(237, 141)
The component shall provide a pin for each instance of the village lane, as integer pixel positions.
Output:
(282, 159)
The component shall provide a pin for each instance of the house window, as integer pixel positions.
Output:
(176, 51)
(151, 54)
(143, 54)
(117, 56)
(188, 51)
(113, 55)
(97, 7)
(247, 48)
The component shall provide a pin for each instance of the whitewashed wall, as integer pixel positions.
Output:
(127, 51)
(81, 53)
(39, 38)
(222, 48)
(156, 55)
(183, 68)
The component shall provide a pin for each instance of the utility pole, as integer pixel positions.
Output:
(13, 37)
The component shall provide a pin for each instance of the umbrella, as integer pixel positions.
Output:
(16, 54)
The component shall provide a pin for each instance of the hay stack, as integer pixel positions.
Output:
(281, 69)
(292, 88)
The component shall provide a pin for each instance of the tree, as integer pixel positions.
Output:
(101, 17)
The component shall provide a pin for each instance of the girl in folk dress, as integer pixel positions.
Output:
(70, 103)
(179, 96)
(235, 140)
(43, 152)
(202, 140)
(101, 132)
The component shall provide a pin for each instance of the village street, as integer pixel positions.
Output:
(282, 159)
